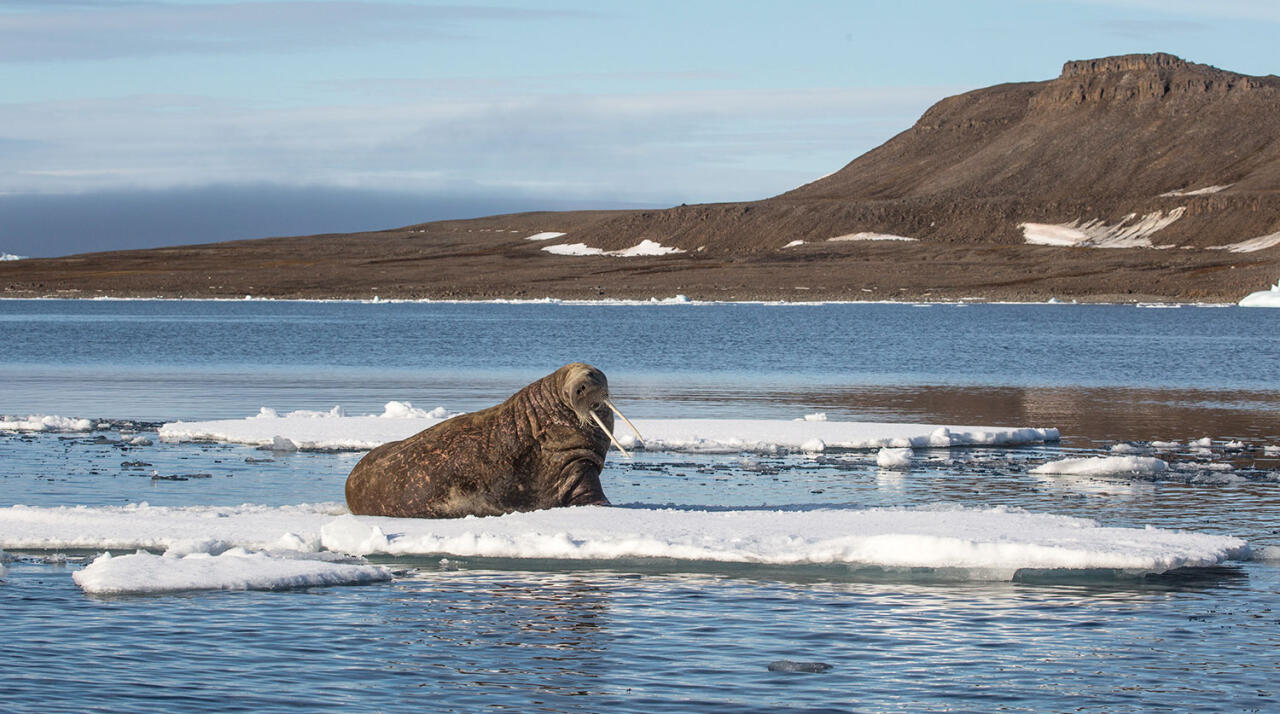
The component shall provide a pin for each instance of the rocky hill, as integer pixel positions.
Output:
(1139, 177)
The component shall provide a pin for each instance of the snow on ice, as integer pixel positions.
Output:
(38, 422)
(1263, 298)
(1104, 466)
(333, 430)
(893, 458)
(991, 543)
(233, 569)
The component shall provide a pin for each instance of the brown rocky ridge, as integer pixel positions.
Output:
(1139, 177)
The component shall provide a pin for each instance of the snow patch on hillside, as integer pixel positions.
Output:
(645, 247)
(849, 237)
(1251, 245)
(1131, 232)
(1195, 192)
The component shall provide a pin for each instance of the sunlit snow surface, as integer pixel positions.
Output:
(645, 247)
(332, 431)
(1103, 466)
(232, 569)
(44, 422)
(1263, 298)
(992, 543)
(1132, 231)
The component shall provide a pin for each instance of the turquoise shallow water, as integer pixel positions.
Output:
(463, 634)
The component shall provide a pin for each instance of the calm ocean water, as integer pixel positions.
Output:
(549, 636)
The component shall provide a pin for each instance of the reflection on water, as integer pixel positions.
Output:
(594, 641)
(640, 636)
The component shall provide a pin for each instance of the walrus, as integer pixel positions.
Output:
(543, 447)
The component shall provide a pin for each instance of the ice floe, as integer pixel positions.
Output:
(896, 459)
(545, 235)
(233, 569)
(645, 247)
(1263, 298)
(866, 236)
(1104, 466)
(38, 422)
(333, 431)
(994, 542)
(11, 256)
(1131, 231)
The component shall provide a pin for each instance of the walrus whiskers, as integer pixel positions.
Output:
(609, 433)
(628, 421)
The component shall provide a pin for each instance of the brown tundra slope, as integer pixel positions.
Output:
(1140, 177)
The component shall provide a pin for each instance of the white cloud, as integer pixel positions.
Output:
(700, 145)
(80, 31)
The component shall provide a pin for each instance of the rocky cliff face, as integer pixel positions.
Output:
(1109, 137)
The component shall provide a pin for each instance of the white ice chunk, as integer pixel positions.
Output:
(1166, 445)
(1123, 448)
(816, 416)
(1203, 442)
(997, 541)
(11, 256)
(700, 435)
(233, 569)
(545, 235)
(1103, 466)
(1271, 450)
(897, 459)
(38, 422)
(1263, 298)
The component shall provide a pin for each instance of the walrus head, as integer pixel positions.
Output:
(586, 391)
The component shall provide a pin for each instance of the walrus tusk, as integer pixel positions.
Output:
(608, 433)
(628, 421)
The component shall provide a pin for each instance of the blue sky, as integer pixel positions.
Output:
(509, 106)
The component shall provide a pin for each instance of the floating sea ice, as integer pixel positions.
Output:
(1234, 444)
(893, 458)
(1166, 445)
(817, 416)
(282, 445)
(991, 543)
(1123, 448)
(233, 569)
(1103, 466)
(697, 435)
(40, 422)
(1271, 450)
(1203, 442)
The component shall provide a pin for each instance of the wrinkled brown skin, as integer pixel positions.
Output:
(533, 451)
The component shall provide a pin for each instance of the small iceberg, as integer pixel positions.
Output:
(1263, 298)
